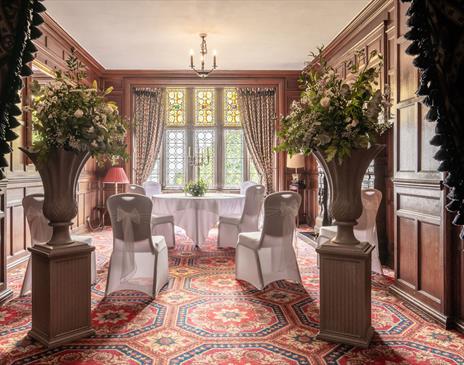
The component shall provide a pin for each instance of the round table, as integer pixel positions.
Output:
(197, 215)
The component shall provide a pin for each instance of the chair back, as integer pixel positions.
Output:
(280, 211)
(245, 185)
(152, 188)
(41, 231)
(130, 216)
(136, 189)
(254, 197)
(371, 199)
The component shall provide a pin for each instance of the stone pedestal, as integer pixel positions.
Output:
(345, 293)
(61, 279)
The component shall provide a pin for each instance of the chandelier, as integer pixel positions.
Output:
(201, 72)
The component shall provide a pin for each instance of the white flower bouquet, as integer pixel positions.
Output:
(333, 115)
(74, 116)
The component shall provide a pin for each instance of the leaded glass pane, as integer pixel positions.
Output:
(231, 114)
(205, 149)
(176, 107)
(155, 173)
(253, 173)
(175, 157)
(233, 158)
(204, 107)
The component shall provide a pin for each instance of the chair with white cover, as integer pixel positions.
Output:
(245, 185)
(162, 225)
(366, 229)
(136, 189)
(152, 188)
(230, 227)
(139, 261)
(41, 232)
(269, 255)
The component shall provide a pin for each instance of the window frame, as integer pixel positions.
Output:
(189, 127)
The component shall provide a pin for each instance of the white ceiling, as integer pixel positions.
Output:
(247, 34)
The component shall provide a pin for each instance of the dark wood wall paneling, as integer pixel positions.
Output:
(414, 229)
(53, 48)
(421, 227)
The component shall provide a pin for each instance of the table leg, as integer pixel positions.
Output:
(196, 226)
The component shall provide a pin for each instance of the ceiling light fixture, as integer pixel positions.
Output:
(203, 52)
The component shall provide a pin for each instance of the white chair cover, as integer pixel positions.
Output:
(366, 229)
(162, 225)
(135, 189)
(245, 185)
(231, 226)
(139, 261)
(152, 188)
(41, 232)
(267, 256)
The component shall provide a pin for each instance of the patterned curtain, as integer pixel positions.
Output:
(257, 108)
(148, 127)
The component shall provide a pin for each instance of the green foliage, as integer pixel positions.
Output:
(198, 188)
(335, 115)
(71, 115)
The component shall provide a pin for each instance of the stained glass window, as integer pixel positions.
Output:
(176, 107)
(175, 157)
(205, 146)
(233, 158)
(231, 113)
(191, 125)
(204, 107)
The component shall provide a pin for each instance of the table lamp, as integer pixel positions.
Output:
(116, 175)
(295, 162)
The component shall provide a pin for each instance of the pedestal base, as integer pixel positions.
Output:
(345, 293)
(61, 279)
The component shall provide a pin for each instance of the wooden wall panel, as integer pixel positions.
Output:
(418, 194)
(406, 251)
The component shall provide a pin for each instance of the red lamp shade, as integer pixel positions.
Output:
(116, 175)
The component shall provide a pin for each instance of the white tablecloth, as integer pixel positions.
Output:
(197, 215)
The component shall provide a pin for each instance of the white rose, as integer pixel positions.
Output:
(325, 101)
(78, 113)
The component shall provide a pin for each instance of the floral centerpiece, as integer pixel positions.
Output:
(72, 121)
(198, 188)
(340, 121)
(74, 116)
(335, 115)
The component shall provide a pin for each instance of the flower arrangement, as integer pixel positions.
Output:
(335, 115)
(198, 188)
(71, 115)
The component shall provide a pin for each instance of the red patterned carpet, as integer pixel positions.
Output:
(207, 317)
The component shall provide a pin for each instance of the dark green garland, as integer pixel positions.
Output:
(437, 35)
(17, 53)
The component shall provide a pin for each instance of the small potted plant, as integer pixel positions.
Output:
(198, 188)
(72, 122)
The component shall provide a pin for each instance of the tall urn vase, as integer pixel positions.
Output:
(61, 268)
(345, 262)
